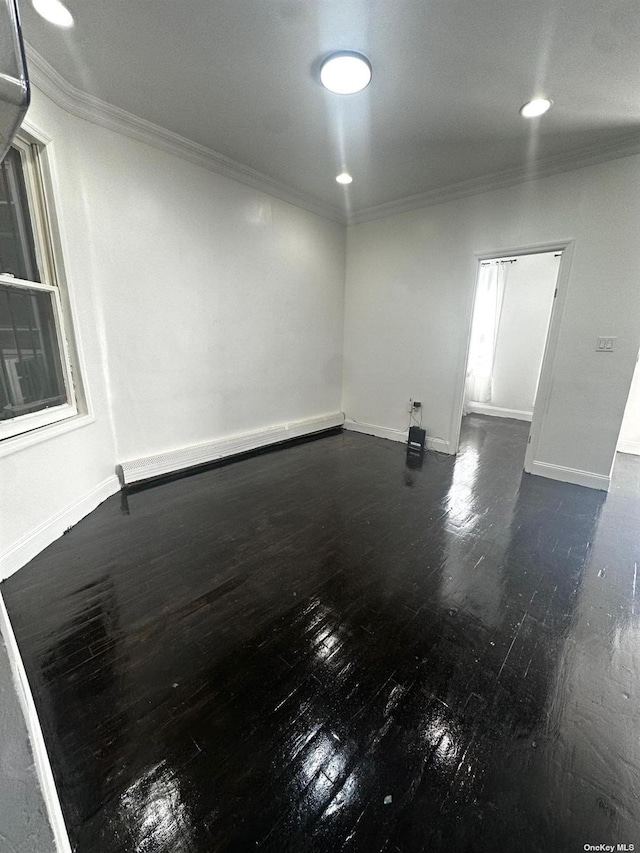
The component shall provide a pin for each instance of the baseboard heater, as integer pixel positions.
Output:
(174, 461)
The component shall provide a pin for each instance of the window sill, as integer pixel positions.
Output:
(44, 433)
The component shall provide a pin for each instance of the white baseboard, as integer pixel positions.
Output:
(438, 444)
(571, 475)
(26, 548)
(136, 470)
(498, 411)
(629, 447)
(38, 748)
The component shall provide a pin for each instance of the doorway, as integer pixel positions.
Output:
(513, 328)
(514, 298)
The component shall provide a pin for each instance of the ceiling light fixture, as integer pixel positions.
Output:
(345, 73)
(344, 178)
(535, 108)
(54, 12)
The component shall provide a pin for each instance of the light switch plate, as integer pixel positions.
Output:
(606, 344)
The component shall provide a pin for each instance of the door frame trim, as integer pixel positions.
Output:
(545, 383)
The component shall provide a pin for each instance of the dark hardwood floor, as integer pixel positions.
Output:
(321, 649)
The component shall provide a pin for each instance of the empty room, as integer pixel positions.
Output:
(319, 426)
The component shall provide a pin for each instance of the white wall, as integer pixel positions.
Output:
(410, 282)
(223, 307)
(204, 309)
(629, 441)
(39, 483)
(524, 321)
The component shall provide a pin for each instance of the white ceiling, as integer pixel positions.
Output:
(240, 77)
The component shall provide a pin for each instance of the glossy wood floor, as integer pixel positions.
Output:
(321, 649)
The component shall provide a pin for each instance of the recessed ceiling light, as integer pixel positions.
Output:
(345, 73)
(535, 108)
(54, 12)
(344, 178)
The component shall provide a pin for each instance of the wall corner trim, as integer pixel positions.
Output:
(172, 461)
(26, 548)
(39, 749)
(438, 444)
(571, 475)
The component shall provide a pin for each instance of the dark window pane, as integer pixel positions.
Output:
(31, 376)
(17, 253)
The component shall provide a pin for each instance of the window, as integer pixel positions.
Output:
(36, 387)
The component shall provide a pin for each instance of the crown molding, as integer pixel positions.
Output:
(44, 77)
(88, 107)
(578, 159)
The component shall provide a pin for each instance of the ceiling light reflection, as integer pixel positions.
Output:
(442, 738)
(325, 750)
(345, 796)
(327, 646)
(461, 495)
(155, 809)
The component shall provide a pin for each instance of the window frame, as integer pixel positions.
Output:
(39, 178)
(52, 414)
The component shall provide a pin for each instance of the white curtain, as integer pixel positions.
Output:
(484, 332)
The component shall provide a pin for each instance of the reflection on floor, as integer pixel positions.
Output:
(320, 649)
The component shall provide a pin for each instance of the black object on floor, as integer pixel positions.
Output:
(322, 649)
(415, 441)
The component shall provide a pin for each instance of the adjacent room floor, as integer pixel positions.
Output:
(322, 649)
